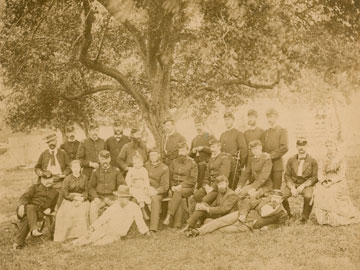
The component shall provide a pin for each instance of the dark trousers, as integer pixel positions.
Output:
(176, 199)
(196, 216)
(155, 211)
(306, 193)
(273, 220)
(276, 177)
(29, 223)
(202, 166)
(235, 172)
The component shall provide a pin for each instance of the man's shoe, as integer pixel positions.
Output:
(185, 229)
(303, 221)
(167, 220)
(17, 247)
(36, 233)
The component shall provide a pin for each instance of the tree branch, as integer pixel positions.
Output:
(103, 38)
(92, 91)
(42, 19)
(102, 68)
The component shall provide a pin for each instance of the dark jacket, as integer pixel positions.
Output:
(128, 152)
(232, 141)
(309, 171)
(114, 147)
(257, 172)
(70, 148)
(184, 172)
(41, 196)
(45, 158)
(201, 140)
(158, 176)
(71, 184)
(253, 134)
(224, 203)
(275, 142)
(105, 182)
(170, 151)
(219, 165)
(89, 151)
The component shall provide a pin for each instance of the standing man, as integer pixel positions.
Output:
(300, 178)
(275, 142)
(53, 160)
(253, 132)
(200, 150)
(171, 141)
(233, 142)
(159, 179)
(219, 164)
(115, 143)
(71, 145)
(89, 150)
(135, 147)
(103, 182)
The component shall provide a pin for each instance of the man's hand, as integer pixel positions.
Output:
(47, 211)
(194, 150)
(201, 207)
(300, 188)
(252, 192)
(208, 189)
(97, 201)
(242, 218)
(152, 192)
(108, 202)
(21, 211)
(94, 165)
(294, 191)
(77, 203)
(176, 188)
(238, 190)
(199, 148)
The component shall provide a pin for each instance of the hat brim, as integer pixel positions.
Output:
(121, 195)
(301, 143)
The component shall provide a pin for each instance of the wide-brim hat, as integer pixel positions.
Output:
(122, 192)
(51, 137)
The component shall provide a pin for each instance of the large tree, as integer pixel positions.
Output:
(167, 55)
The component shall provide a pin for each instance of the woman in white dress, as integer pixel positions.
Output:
(72, 219)
(332, 202)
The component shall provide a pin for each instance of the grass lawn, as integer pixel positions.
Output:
(293, 247)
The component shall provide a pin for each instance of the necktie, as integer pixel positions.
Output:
(52, 158)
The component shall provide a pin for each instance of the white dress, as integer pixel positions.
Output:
(139, 184)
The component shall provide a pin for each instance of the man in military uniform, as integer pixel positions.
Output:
(103, 182)
(171, 140)
(219, 164)
(233, 142)
(183, 175)
(275, 142)
(135, 147)
(255, 180)
(115, 143)
(159, 179)
(89, 149)
(300, 178)
(253, 132)
(71, 145)
(200, 150)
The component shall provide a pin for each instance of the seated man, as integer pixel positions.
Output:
(115, 222)
(256, 174)
(39, 200)
(264, 213)
(300, 178)
(103, 182)
(219, 164)
(225, 202)
(183, 175)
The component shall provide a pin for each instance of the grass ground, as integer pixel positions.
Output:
(296, 247)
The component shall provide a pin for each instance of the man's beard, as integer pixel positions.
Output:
(136, 141)
(71, 138)
(250, 123)
(52, 146)
(105, 165)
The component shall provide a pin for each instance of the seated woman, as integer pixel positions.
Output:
(332, 203)
(72, 219)
(115, 222)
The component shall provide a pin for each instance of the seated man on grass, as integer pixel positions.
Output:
(264, 213)
(115, 222)
(38, 201)
(225, 202)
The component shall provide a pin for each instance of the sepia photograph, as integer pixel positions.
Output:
(180, 134)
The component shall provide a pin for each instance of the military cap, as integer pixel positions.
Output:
(271, 111)
(169, 119)
(93, 126)
(252, 112)
(104, 154)
(133, 131)
(182, 145)
(221, 178)
(154, 149)
(229, 115)
(214, 141)
(46, 175)
(50, 137)
(70, 129)
(254, 143)
(301, 141)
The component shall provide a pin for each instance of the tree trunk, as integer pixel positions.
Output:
(339, 135)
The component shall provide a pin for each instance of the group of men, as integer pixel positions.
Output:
(236, 181)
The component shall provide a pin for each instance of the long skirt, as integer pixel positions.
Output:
(333, 206)
(71, 221)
